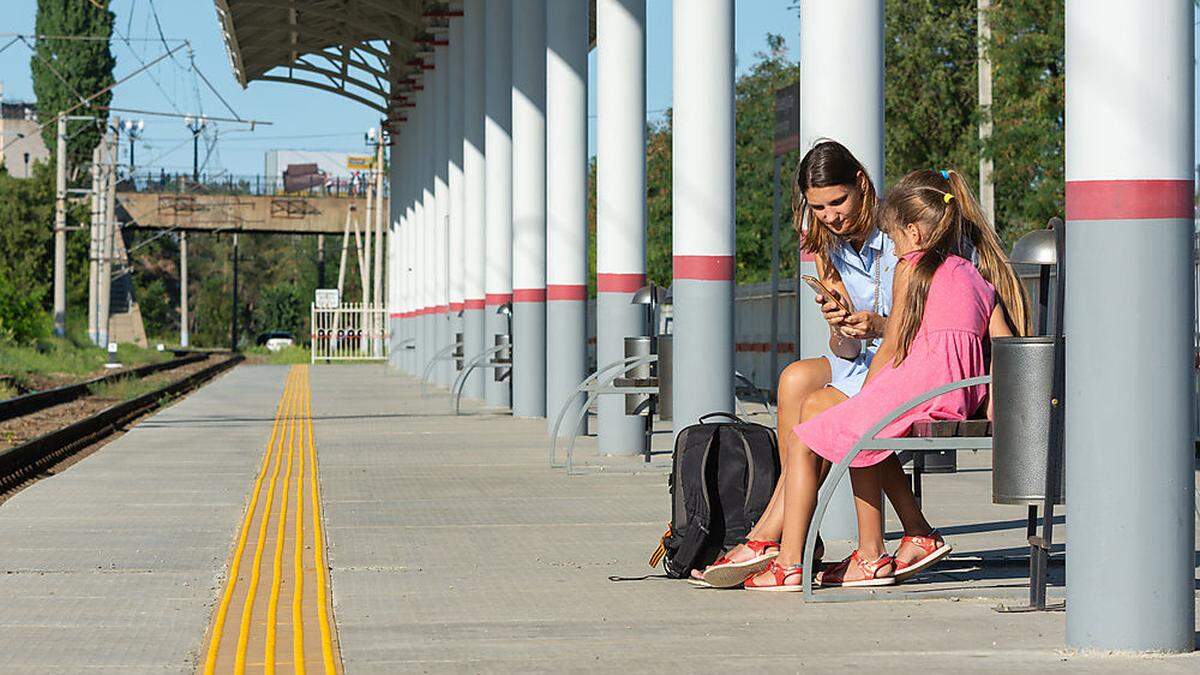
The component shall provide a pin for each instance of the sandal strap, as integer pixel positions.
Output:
(928, 542)
(759, 546)
(871, 567)
(782, 573)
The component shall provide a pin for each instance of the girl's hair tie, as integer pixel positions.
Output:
(946, 175)
(946, 197)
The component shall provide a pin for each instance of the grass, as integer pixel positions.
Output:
(60, 360)
(8, 391)
(286, 356)
(124, 388)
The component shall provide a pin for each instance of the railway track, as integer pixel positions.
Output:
(39, 400)
(20, 462)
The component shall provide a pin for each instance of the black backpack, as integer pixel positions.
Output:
(721, 481)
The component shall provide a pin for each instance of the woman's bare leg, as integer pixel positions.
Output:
(868, 506)
(770, 526)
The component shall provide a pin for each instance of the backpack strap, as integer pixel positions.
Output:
(762, 472)
(662, 548)
(698, 506)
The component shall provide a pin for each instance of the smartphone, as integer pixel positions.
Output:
(820, 289)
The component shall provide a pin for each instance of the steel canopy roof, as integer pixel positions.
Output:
(374, 52)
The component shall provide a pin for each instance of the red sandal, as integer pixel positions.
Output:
(934, 548)
(836, 576)
(725, 573)
(779, 575)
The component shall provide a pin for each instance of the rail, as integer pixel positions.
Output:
(19, 462)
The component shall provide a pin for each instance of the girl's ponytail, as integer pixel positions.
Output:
(993, 263)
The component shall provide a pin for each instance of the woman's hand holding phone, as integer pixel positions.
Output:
(862, 326)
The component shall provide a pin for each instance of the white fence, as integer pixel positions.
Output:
(349, 332)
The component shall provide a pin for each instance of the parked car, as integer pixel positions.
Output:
(275, 340)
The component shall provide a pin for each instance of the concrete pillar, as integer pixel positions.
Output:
(441, 130)
(455, 140)
(394, 246)
(60, 227)
(566, 201)
(854, 118)
(93, 248)
(702, 204)
(411, 247)
(1129, 373)
(498, 140)
(621, 202)
(474, 222)
(428, 227)
(184, 338)
(529, 208)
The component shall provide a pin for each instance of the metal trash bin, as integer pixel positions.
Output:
(665, 377)
(500, 373)
(1022, 386)
(642, 345)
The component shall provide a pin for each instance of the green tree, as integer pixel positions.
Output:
(26, 217)
(65, 71)
(1027, 53)
(280, 306)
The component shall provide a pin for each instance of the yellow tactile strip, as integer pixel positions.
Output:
(275, 523)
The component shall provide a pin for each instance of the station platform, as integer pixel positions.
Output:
(447, 544)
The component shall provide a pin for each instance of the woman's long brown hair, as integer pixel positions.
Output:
(946, 211)
(829, 163)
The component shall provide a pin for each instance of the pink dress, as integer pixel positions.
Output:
(948, 347)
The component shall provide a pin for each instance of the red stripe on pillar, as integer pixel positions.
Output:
(473, 304)
(806, 257)
(497, 298)
(703, 267)
(566, 292)
(396, 315)
(529, 295)
(619, 283)
(456, 306)
(1128, 199)
(441, 309)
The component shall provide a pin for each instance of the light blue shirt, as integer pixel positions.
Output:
(859, 271)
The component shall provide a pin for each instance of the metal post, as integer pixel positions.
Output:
(108, 230)
(498, 189)
(441, 130)
(987, 188)
(775, 270)
(854, 118)
(320, 261)
(621, 201)
(457, 223)
(529, 208)
(60, 228)
(184, 339)
(566, 202)
(1129, 449)
(703, 207)
(233, 326)
(94, 247)
(474, 178)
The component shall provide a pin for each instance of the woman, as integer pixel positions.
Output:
(833, 202)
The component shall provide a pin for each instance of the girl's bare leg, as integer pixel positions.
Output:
(899, 493)
(868, 506)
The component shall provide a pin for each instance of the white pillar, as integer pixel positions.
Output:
(429, 227)
(394, 288)
(474, 178)
(702, 207)
(498, 140)
(184, 340)
(621, 202)
(455, 140)
(566, 201)
(412, 221)
(529, 208)
(853, 117)
(1130, 459)
(441, 171)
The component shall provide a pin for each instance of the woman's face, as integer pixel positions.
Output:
(834, 206)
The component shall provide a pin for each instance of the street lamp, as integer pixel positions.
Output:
(134, 130)
(195, 125)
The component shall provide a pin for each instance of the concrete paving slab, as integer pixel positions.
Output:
(114, 565)
(455, 548)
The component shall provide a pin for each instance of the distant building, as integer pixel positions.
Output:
(18, 121)
(331, 163)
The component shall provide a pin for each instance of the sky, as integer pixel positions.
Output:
(301, 118)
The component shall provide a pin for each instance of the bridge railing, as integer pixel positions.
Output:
(239, 184)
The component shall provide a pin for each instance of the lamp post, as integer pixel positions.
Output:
(133, 128)
(196, 126)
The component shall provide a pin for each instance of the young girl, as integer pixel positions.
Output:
(944, 309)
